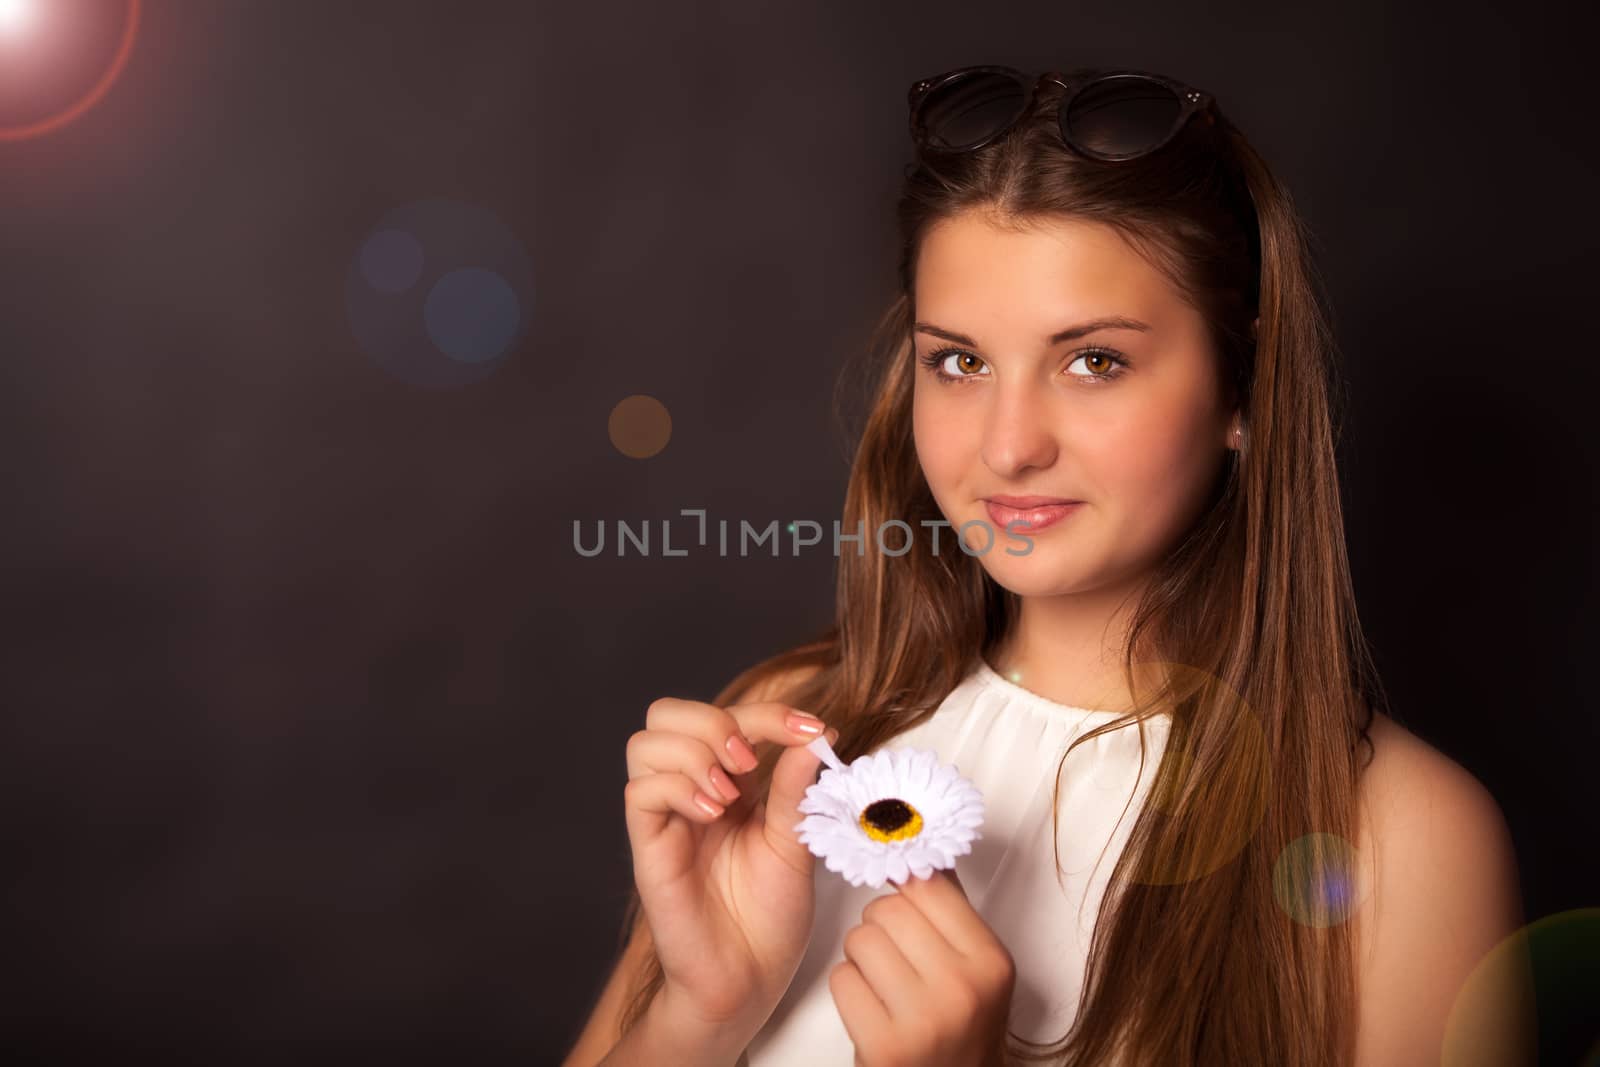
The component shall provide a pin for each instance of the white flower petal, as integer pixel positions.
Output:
(873, 870)
(951, 809)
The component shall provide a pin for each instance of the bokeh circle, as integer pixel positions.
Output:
(1534, 997)
(639, 426)
(438, 292)
(1318, 880)
(1223, 769)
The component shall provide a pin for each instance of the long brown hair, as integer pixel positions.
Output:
(1250, 621)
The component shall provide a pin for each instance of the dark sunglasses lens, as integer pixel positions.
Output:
(1121, 117)
(967, 110)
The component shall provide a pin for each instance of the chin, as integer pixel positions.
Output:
(1032, 576)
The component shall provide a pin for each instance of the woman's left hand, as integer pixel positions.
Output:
(925, 982)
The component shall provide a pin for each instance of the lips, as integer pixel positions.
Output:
(1031, 518)
(1025, 502)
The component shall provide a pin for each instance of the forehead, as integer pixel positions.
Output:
(1040, 278)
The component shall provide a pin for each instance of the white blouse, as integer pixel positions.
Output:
(1009, 741)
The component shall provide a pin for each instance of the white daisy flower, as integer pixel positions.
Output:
(889, 814)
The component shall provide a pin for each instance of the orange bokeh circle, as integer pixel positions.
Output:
(130, 30)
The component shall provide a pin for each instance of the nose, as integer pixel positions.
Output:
(1019, 431)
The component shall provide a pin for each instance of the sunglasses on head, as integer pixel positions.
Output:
(1109, 115)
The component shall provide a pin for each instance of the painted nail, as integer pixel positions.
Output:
(744, 757)
(801, 723)
(706, 804)
(724, 784)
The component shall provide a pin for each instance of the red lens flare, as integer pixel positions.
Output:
(33, 25)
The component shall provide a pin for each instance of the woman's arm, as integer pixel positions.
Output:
(666, 1036)
(660, 1032)
(1441, 893)
(661, 1035)
(604, 1027)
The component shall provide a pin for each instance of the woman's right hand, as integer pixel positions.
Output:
(728, 897)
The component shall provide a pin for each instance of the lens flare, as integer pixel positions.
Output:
(640, 426)
(438, 292)
(1319, 880)
(1531, 998)
(1223, 770)
(15, 15)
(21, 27)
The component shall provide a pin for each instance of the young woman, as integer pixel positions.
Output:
(1109, 370)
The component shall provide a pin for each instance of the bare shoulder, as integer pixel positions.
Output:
(1417, 797)
(1440, 891)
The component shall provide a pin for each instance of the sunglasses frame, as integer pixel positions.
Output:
(1192, 101)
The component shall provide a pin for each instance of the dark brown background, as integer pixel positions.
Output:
(314, 719)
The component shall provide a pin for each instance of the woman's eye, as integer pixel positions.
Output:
(1102, 363)
(960, 364)
(956, 364)
(950, 364)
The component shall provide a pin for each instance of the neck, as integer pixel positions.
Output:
(1069, 648)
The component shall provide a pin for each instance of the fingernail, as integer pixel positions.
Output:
(743, 755)
(724, 784)
(706, 804)
(801, 723)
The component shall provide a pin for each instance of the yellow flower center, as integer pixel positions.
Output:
(891, 820)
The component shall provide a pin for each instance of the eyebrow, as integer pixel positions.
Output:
(1071, 333)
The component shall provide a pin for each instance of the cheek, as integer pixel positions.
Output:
(1149, 466)
(939, 442)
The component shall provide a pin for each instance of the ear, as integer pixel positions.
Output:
(1255, 324)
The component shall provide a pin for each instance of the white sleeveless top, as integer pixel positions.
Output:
(1009, 741)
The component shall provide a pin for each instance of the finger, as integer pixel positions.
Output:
(650, 801)
(731, 732)
(659, 751)
(794, 773)
(944, 902)
(884, 966)
(924, 946)
(865, 1018)
(712, 726)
